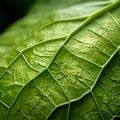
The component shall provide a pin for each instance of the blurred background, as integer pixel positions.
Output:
(11, 10)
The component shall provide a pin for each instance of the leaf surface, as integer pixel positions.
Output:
(64, 65)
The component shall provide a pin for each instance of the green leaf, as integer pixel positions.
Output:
(64, 65)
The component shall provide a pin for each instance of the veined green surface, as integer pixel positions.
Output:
(63, 64)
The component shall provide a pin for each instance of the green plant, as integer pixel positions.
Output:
(62, 62)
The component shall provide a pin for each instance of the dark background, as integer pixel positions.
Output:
(11, 10)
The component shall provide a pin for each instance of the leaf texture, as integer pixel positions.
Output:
(63, 64)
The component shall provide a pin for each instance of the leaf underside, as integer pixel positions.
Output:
(62, 62)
